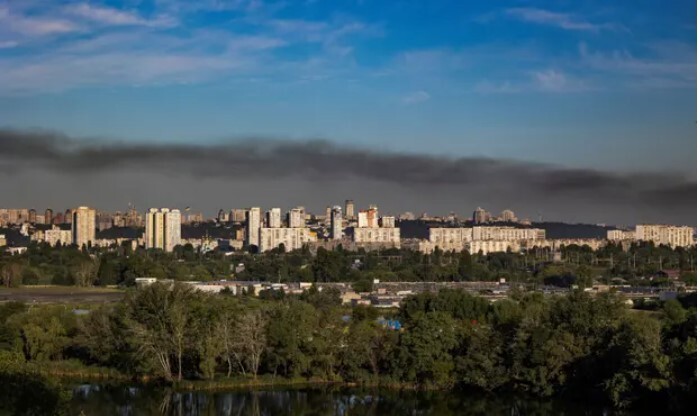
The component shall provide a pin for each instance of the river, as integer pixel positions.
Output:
(90, 399)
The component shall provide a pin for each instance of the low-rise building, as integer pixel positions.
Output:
(388, 237)
(492, 246)
(449, 239)
(292, 238)
(621, 235)
(507, 233)
(665, 234)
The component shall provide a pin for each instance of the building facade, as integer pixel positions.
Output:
(292, 238)
(274, 218)
(83, 226)
(296, 218)
(56, 235)
(507, 233)
(349, 209)
(336, 223)
(163, 229)
(673, 236)
(621, 235)
(480, 216)
(449, 239)
(492, 246)
(391, 237)
(252, 227)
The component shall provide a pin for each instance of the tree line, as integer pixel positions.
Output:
(577, 345)
(120, 265)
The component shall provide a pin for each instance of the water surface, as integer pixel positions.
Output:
(132, 400)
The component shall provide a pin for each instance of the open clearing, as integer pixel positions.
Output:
(60, 294)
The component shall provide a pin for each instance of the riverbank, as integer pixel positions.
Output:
(64, 377)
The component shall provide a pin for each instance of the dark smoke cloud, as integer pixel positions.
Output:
(570, 193)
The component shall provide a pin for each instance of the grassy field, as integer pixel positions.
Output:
(61, 294)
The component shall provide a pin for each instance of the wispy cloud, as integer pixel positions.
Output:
(660, 69)
(115, 17)
(332, 35)
(34, 26)
(561, 20)
(550, 80)
(415, 97)
(120, 46)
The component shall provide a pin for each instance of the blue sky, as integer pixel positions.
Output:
(607, 85)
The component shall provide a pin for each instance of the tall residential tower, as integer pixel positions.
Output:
(83, 226)
(252, 227)
(163, 228)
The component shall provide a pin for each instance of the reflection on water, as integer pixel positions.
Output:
(129, 400)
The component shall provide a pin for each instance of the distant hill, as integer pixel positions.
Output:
(564, 230)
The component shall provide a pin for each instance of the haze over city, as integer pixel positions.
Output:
(564, 110)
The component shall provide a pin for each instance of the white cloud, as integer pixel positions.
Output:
(115, 17)
(34, 26)
(415, 97)
(550, 80)
(560, 20)
(680, 66)
(129, 46)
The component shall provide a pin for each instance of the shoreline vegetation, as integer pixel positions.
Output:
(578, 346)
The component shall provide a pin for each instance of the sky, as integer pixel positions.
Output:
(602, 88)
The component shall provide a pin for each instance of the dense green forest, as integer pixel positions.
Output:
(582, 266)
(578, 346)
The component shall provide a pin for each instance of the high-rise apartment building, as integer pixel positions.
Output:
(48, 216)
(336, 223)
(32, 216)
(508, 216)
(388, 222)
(368, 218)
(163, 229)
(237, 215)
(83, 226)
(480, 216)
(59, 218)
(252, 227)
(373, 216)
(274, 218)
(296, 218)
(349, 209)
(362, 219)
